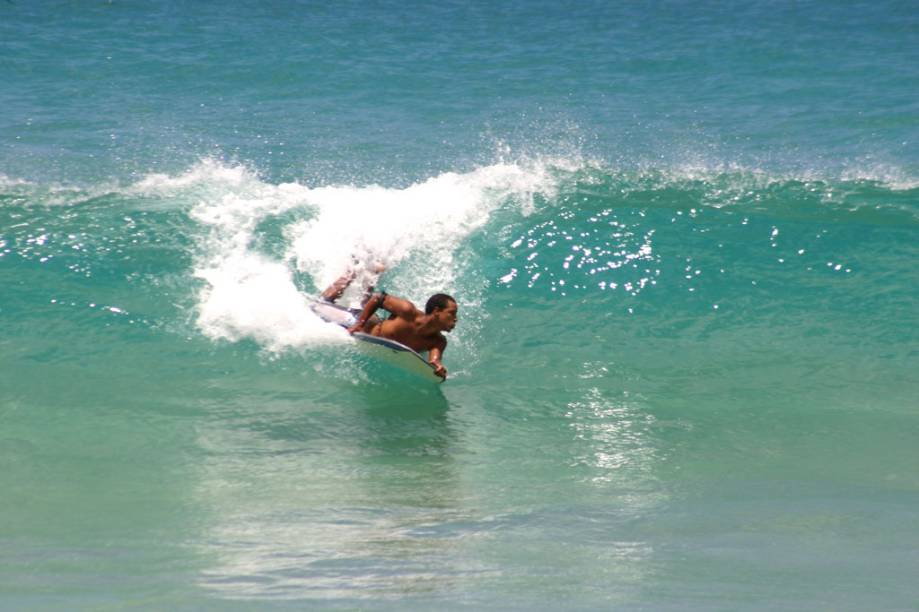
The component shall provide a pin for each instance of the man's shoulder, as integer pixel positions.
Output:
(403, 308)
(408, 314)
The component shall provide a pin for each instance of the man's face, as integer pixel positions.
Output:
(446, 317)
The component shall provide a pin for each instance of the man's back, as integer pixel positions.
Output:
(404, 326)
(420, 331)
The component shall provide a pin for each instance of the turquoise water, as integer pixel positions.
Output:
(683, 240)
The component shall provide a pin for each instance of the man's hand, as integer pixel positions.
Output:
(434, 358)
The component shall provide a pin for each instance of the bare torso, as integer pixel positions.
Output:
(405, 332)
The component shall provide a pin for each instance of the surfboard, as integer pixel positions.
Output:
(383, 349)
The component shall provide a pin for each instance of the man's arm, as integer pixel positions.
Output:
(434, 356)
(376, 300)
(400, 307)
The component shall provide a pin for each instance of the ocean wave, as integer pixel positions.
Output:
(259, 288)
(259, 250)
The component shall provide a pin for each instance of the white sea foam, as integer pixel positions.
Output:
(420, 226)
(890, 176)
(54, 194)
(6, 181)
(414, 232)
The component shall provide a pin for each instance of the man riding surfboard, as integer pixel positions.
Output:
(420, 331)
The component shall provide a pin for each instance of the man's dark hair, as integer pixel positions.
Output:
(438, 301)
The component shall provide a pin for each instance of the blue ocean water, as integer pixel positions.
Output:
(682, 236)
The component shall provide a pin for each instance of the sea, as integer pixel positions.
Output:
(683, 238)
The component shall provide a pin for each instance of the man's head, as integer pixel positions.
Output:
(443, 308)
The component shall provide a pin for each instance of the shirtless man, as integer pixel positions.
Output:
(420, 331)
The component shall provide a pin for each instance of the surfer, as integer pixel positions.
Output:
(420, 331)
